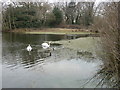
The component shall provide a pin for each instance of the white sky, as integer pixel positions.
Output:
(60, 0)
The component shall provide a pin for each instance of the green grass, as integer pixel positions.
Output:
(52, 31)
(87, 43)
(57, 33)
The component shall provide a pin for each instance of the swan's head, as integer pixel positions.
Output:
(49, 42)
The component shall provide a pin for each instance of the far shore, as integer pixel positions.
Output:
(52, 31)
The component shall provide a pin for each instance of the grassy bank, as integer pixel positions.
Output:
(52, 31)
(85, 44)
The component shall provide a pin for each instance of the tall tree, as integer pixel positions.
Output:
(58, 15)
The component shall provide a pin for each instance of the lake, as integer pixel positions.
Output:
(66, 67)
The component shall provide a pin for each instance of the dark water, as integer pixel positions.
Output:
(62, 69)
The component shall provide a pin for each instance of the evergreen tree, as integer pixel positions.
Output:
(58, 15)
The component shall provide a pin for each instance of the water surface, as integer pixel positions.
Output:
(63, 69)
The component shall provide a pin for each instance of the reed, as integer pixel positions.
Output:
(108, 28)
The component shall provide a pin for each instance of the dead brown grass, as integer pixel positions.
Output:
(107, 25)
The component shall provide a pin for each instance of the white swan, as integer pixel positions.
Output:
(45, 45)
(29, 48)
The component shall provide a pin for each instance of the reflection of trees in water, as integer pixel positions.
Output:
(14, 38)
(15, 53)
(21, 38)
(28, 60)
(33, 59)
(29, 38)
(14, 48)
(22, 57)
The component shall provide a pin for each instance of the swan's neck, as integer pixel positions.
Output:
(49, 43)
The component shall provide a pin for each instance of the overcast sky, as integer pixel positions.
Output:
(59, 0)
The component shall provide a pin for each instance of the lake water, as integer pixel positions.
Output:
(63, 69)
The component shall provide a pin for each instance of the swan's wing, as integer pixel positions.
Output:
(44, 47)
(29, 48)
(44, 44)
